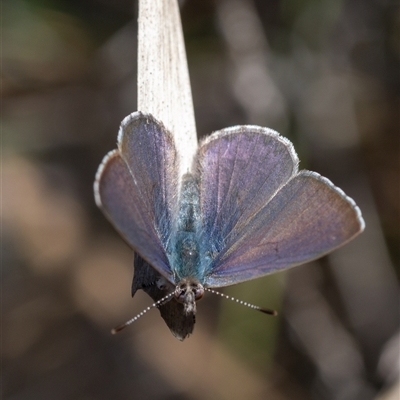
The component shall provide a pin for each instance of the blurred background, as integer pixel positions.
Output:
(323, 73)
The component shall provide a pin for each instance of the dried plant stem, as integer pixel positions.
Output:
(163, 77)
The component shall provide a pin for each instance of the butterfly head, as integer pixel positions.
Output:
(187, 292)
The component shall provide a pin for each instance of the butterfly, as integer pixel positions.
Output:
(243, 211)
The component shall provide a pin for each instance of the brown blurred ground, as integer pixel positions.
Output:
(324, 74)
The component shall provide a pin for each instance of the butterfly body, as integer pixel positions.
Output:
(242, 212)
(184, 252)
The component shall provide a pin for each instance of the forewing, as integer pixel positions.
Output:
(149, 152)
(135, 188)
(307, 218)
(240, 169)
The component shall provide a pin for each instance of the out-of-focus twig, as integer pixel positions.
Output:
(253, 86)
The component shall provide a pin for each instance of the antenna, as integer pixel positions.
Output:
(243, 303)
(168, 296)
(156, 304)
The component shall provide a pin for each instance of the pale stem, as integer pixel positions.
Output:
(163, 76)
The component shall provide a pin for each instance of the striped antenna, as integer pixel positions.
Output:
(243, 303)
(156, 304)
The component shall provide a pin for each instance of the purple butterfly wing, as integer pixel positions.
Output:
(306, 219)
(240, 170)
(135, 187)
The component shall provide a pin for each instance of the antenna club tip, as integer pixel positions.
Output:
(269, 312)
(117, 329)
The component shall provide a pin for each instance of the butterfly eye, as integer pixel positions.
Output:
(198, 291)
(182, 289)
